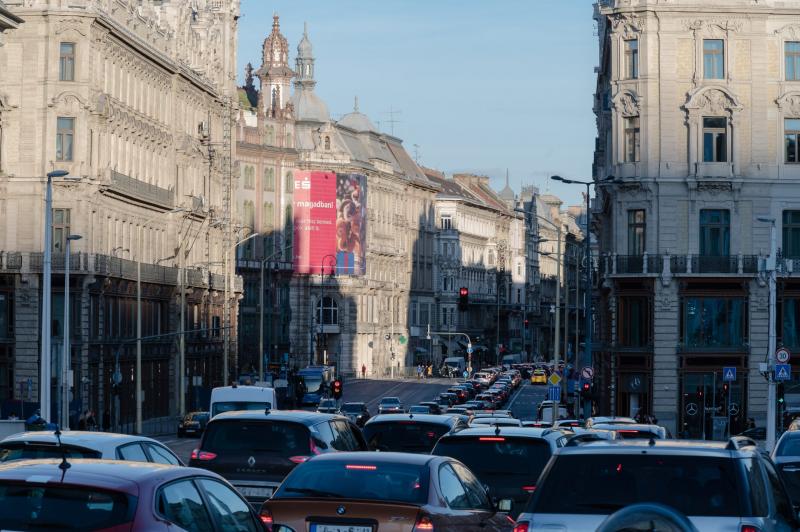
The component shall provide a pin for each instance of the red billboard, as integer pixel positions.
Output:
(329, 215)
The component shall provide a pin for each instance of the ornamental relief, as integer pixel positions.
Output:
(791, 31)
(627, 25)
(713, 101)
(713, 27)
(789, 104)
(627, 103)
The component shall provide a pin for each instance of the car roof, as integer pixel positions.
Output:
(476, 431)
(359, 403)
(78, 438)
(374, 458)
(627, 426)
(443, 419)
(392, 397)
(611, 419)
(656, 446)
(297, 416)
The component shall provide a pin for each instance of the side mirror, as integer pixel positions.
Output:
(504, 505)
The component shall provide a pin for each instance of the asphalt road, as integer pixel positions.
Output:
(523, 405)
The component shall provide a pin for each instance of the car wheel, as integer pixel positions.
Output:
(650, 515)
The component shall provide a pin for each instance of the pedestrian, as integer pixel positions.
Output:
(106, 420)
(363, 371)
(82, 420)
(430, 370)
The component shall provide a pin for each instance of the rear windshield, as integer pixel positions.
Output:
(36, 507)
(404, 436)
(231, 406)
(352, 409)
(693, 485)
(378, 482)
(626, 434)
(788, 447)
(22, 451)
(274, 437)
(494, 458)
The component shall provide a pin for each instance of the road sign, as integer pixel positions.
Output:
(554, 393)
(554, 379)
(783, 355)
(783, 372)
(729, 374)
(587, 373)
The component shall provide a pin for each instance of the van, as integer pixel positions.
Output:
(454, 366)
(231, 398)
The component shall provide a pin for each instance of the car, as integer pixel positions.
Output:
(85, 444)
(786, 456)
(493, 413)
(568, 423)
(546, 409)
(193, 423)
(477, 404)
(395, 492)
(356, 412)
(627, 431)
(483, 378)
(537, 424)
(114, 495)
(434, 406)
(415, 433)
(328, 406)
(756, 433)
(390, 405)
(618, 420)
(489, 399)
(718, 486)
(508, 460)
(460, 410)
(419, 409)
(496, 422)
(256, 450)
(453, 398)
(539, 376)
(460, 393)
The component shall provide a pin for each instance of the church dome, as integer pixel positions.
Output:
(357, 121)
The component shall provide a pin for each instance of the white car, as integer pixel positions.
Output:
(85, 444)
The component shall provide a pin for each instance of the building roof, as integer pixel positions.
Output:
(247, 99)
(308, 106)
(357, 121)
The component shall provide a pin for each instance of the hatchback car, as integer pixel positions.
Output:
(356, 412)
(256, 450)
(719, 486)
(539, 376)
(390, 405)
(414, 433)
(193, 423)
(85, 444)
(392, 492)
(108, 495)
(328, 406)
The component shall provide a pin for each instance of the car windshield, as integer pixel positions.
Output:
(420, 410)
(390, 401)
(32, 451)
(312, 382)
(352, 409)
(495, 459)
(693, 485)
(231, 406)
(38, 507)
(362, 480)
(788, 447)
(272, 437)
(404, 436)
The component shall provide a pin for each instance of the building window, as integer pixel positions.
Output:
(288, 224)
(66, 64)
(65, 133)
(269, 179)
(6, 315)
(61, 219)
(714, 59)
(715, 139)
(715, 232)
(289, 181)
(632, 139)
(791, 234)
(249, 177)
(637, 223)
(447, 223)
(791, 128)
(635, 319)
(791, 54)
(713, 322)
(631, 59)
(414, 314)
(267, 216)
(327, 311)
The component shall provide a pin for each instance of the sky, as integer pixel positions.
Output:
(477, 85)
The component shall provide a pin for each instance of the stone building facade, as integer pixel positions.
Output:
(130, 98)
(697, 108)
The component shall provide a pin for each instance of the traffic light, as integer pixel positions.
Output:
(779, 393)
(526, 322)
(337, 389)
(586, 389)
(463, 298)
(725, 387)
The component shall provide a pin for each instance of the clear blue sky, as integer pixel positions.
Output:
(482, 85)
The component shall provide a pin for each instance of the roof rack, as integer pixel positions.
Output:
(739, 442)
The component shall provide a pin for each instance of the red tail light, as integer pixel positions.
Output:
(750, 528)
(521, 527)
(491, 438)
(266, 518)
(424, 524)
(529, 489)
(361, 467)
(298, 459)
(197, 454)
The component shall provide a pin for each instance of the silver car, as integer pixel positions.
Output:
(719, 486)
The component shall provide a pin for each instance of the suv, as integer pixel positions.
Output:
(719, 486)
(509, 459)
(254, 451)
(409, 433)
(390, 404)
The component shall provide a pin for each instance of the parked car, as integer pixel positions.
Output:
(193, 423)
(93, 495)
(786, 456)
(356, 412)
(391, 405)
(415, 433)
(85, 444)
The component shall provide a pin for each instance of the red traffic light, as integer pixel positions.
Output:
(586, 386)
(337, 384)
(463, 291)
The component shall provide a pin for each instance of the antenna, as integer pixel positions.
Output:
(64, 465)
(392, 120)
(416, 153)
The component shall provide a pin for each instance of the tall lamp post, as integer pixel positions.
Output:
(771, 271)
(66, 359)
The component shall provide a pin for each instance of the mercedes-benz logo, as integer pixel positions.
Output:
(251, 461)
(341, 510)
(691, 409)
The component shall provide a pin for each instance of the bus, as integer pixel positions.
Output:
(317, 383)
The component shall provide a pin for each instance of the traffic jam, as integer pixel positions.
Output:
(460, 461)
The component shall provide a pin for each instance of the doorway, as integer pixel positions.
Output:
(711, 407)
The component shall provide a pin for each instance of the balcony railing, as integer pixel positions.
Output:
(58, 262)
(10, 260)
(680, 264)
(134, 188)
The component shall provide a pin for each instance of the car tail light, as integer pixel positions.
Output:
(361, 467)
(205, 456)
(491, 438)
(266, 518)
(299, 459)
(313, 447)
(529, 489)
(423, 524)
(750, 528)
(521, 527)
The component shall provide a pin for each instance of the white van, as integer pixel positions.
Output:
(230, 398)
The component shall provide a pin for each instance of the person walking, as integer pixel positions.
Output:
(363, 371)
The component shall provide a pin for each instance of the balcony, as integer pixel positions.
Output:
(10, 261)
(667, 265)
(58, 262)
(631, 264)
(133, 188)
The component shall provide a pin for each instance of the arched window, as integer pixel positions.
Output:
(249, 177)
(327, 143)
(269, 178)
(267, 216)
(289, 181)
(327, 311)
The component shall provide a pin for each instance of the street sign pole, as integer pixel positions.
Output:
(730, 386)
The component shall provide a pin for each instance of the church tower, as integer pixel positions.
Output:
(275, 74)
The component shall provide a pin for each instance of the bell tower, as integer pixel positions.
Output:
(275, 74)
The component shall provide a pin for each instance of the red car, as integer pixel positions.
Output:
(113, 496)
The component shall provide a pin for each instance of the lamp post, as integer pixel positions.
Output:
(46, 364)
(66, 354)
(771, 271)
(261, 311)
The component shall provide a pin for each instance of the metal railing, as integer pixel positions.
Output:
(129, 186)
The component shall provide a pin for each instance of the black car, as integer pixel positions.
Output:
(254, 451)
(356, 412)
(434, 407)
(193, 423)
(409, 433)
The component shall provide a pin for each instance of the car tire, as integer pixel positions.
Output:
(658, 516)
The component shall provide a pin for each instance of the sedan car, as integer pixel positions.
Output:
(539, 376)
(415, 433)
(80, 444)
(786, 456)
(391, 405)
(434, 406)
(356, 412)
(193, 423)
(394, 492)
(93, 495)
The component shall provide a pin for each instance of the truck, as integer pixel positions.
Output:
(230, 398)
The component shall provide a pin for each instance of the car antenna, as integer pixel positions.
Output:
(652, 441)
(64, 465)
(411, 415)
(497, 430)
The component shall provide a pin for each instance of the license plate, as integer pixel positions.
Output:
(264, 493)
(190, 430)
(315, 527)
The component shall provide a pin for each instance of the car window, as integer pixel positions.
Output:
(227, 507)
(475, 490)
(180, 503)
(23, 451)
(788, 447)
(344, 437)
(132, 452)
(269, 437)
(758, 488)
(404, 436)
(452, 490)
(783, 506)
(161, 455)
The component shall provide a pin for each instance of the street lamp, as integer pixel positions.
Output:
(66, 359)
(771, 271)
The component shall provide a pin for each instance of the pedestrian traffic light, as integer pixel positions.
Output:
(337, 389)
(586, 389)
(725, 387)
(526, 322)
(463, 298)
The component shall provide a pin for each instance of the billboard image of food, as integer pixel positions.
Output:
(329, 216)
